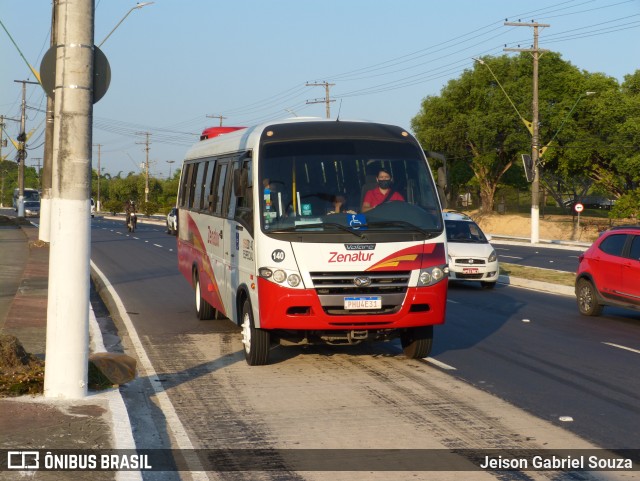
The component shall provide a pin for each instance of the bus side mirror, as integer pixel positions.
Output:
(240, 181)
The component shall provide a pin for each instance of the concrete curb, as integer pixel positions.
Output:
(537, 285)
(121, 428)
(544, 243)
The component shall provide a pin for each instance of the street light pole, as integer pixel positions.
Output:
(137, 7)
(170, 162)
(98, 201)
(535, 145)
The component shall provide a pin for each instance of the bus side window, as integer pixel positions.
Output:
(185, 187)
(218, 185)
(207, 196)
(199, 186)
(243, 191)
(192, 185)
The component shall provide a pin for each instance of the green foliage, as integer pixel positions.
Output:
(148, 208)
(627, 206)
(112, 205)
(478, 121)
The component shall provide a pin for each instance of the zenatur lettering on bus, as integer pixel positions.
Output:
(355, 257)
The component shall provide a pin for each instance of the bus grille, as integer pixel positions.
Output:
(345, 283)
(333, 287)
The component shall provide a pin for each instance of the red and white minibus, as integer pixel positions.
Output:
(273, 235)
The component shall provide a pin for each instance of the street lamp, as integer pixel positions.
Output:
(170, 162)
(137, 7)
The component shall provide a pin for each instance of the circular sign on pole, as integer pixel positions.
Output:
(101, 73)
(579, 208)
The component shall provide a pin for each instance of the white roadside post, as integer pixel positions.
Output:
(67, 348)
(579, 208)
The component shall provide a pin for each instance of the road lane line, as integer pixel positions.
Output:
(157, 245)
(171, 416)
(510, 257)
(440, 364)
(622, 347)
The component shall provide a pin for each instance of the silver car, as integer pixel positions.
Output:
(32, 208)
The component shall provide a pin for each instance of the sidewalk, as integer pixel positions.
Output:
(36, 422)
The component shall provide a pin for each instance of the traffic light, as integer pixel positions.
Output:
(528, 167)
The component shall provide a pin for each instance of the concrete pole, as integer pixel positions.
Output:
(44, 232)
(535, 146)
(67, 348)
(22, 151)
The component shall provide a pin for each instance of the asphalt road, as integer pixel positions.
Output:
(562, 259)
(530, 349)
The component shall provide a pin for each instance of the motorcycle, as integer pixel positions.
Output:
(131, 223)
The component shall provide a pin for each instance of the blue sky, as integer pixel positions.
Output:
(175, 62)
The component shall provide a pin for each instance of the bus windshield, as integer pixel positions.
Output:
(312, 186)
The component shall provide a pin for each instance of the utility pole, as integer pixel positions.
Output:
(216, 117)
(1, 136)
(535, 141)
(98, 201)
(326, 98)
(2, 173)
(44, 232)
(67, 349)
(22, 146)
(37, 161)
(146, 164)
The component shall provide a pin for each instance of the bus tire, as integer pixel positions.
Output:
(257, 342)
(204, 310)
(417, 341)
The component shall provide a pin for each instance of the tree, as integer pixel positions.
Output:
(473, 121)
(601, 139)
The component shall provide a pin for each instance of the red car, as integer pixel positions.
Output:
(609, 272)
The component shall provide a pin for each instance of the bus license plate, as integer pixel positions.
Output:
(369, 302)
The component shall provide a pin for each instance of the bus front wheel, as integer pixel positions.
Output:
(417, 341)
(257, 342)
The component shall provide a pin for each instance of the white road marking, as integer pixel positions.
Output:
(171, 416)
(157, 245)
(440, 364)
(510, 257)
(622, 347)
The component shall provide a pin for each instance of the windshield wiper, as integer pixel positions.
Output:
(388, 223)
(315, 226)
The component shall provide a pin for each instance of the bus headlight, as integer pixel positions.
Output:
(425, 278)
(432, 275)
(265, 272)
(279, 276)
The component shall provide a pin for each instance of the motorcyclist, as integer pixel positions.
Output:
(129, 208)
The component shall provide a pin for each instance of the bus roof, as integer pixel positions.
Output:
(248, 138)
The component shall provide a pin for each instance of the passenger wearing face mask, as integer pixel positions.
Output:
(382, 193)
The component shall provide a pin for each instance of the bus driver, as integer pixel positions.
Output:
(383, 192)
